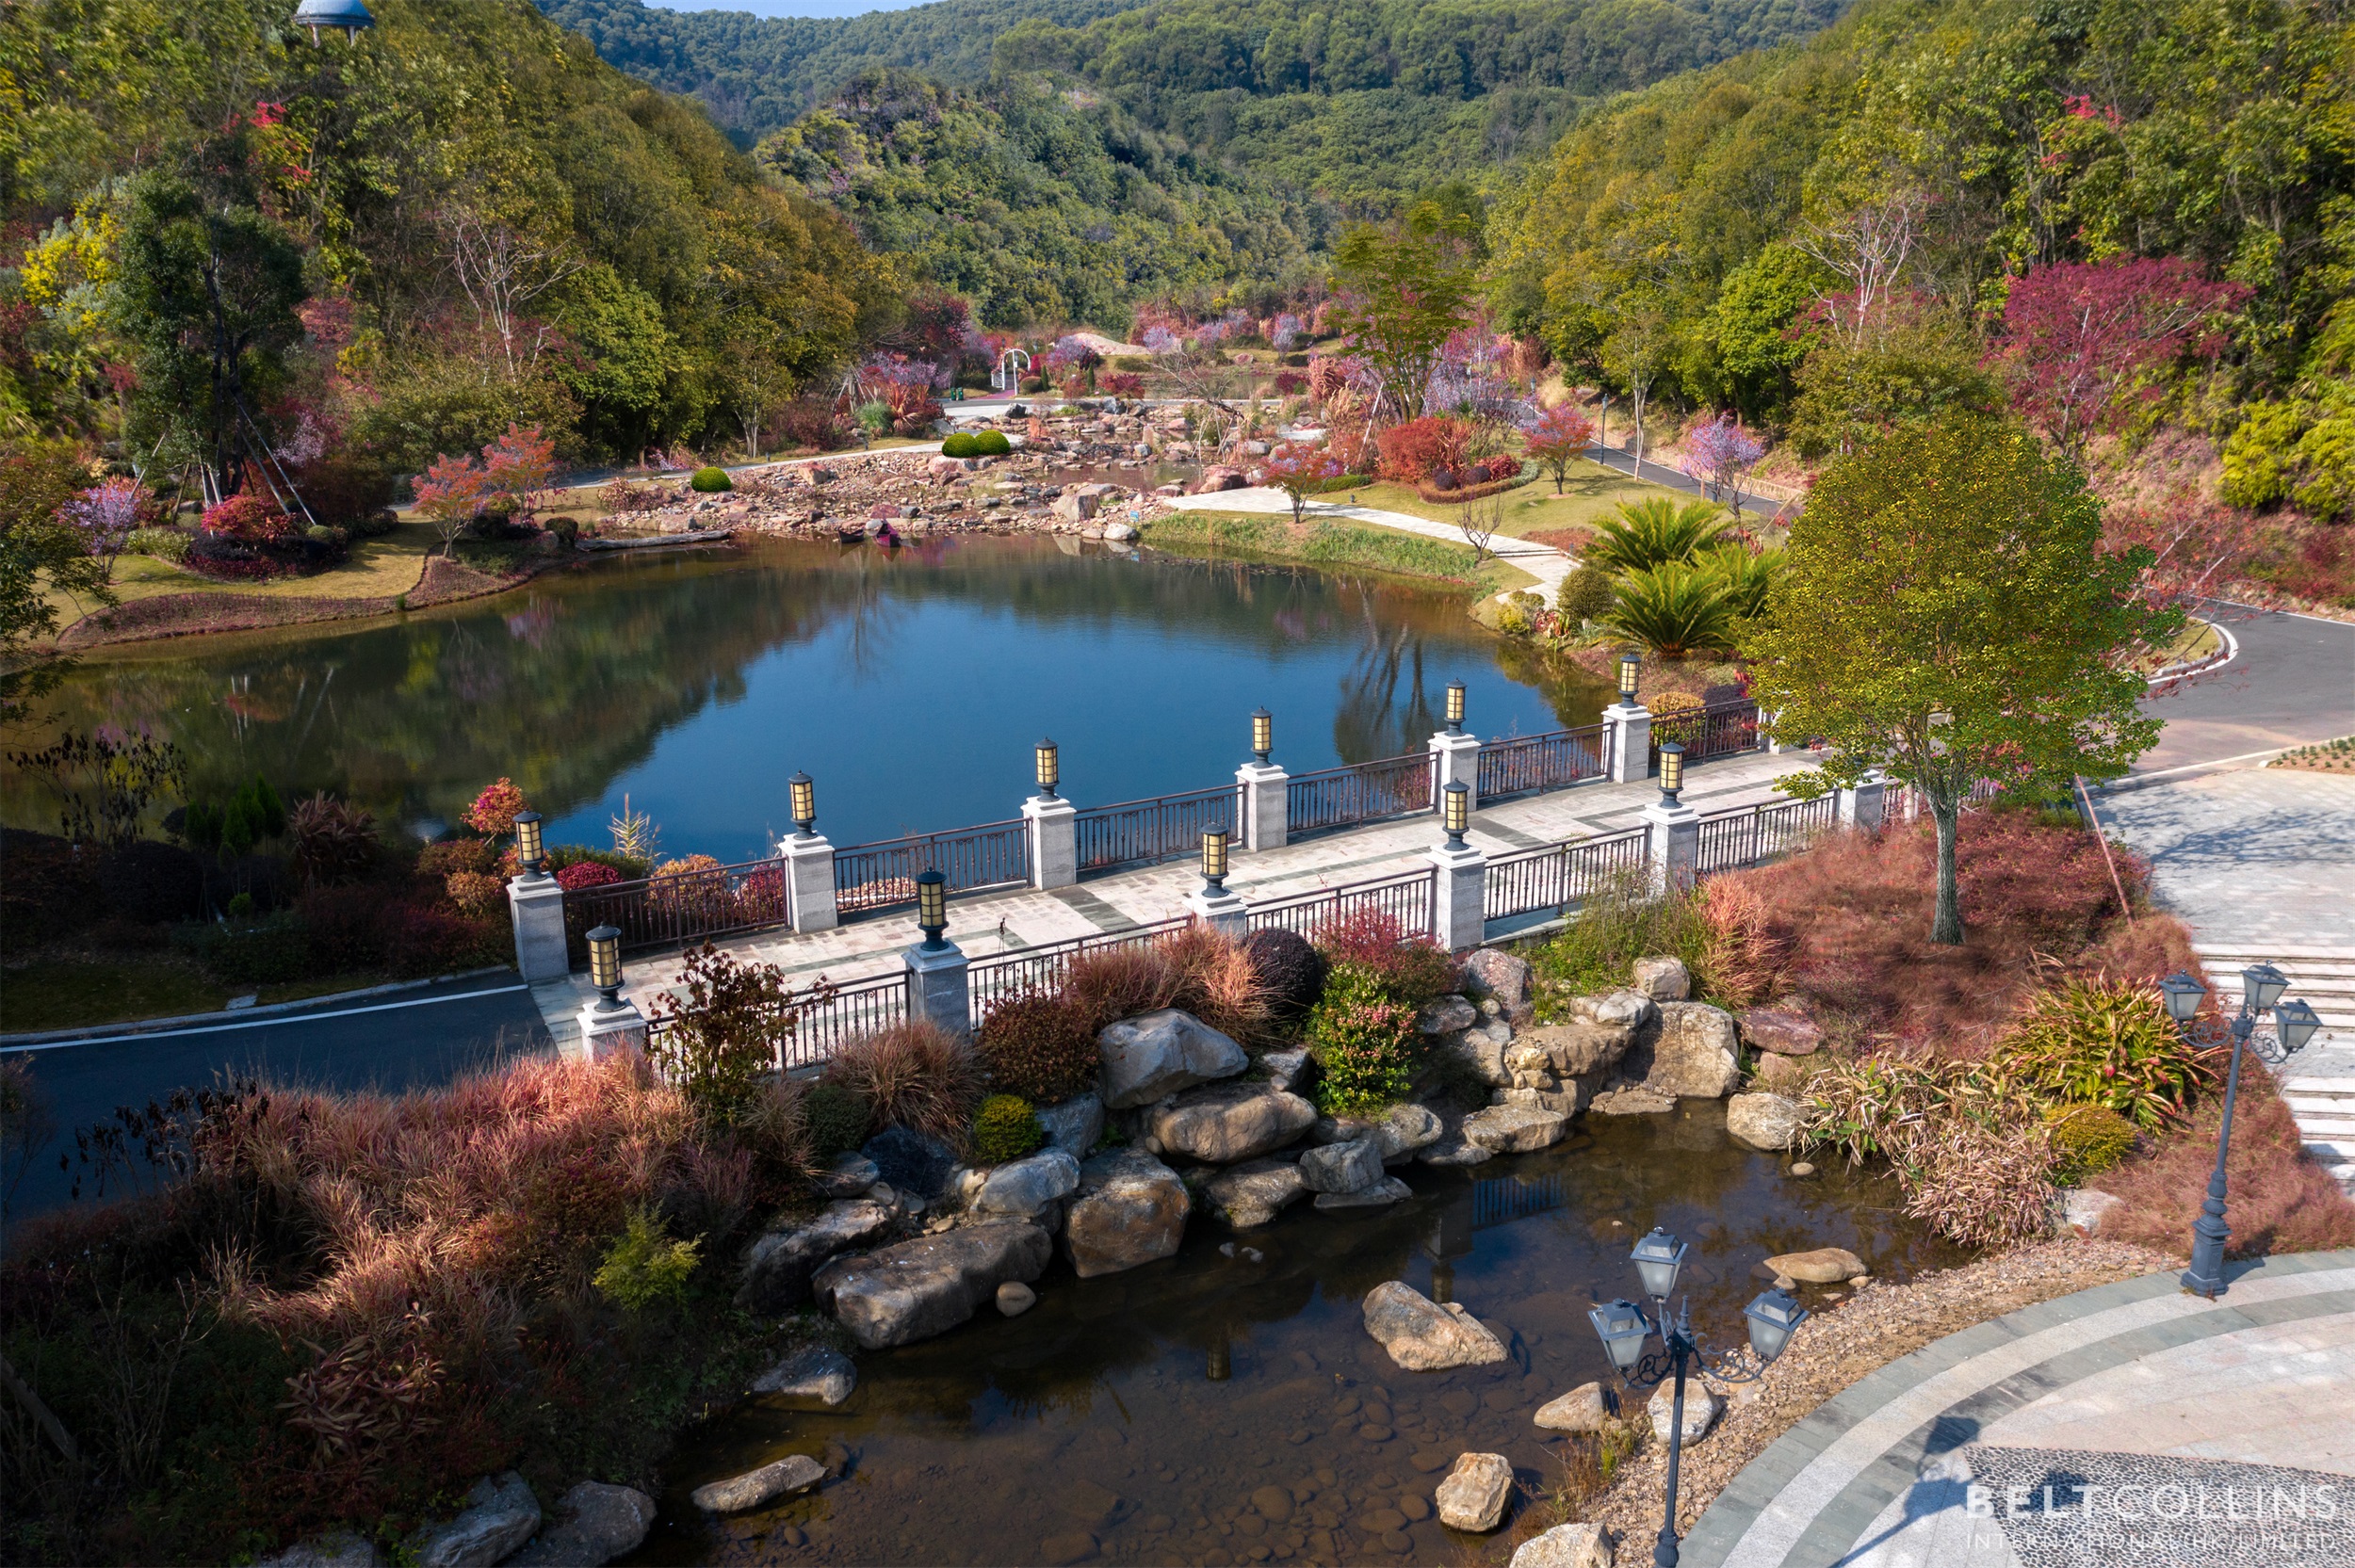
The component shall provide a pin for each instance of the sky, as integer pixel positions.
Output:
(798, 7)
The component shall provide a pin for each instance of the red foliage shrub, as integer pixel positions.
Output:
(1123, 383)
(2281, 1200)
(1038, 1044)
(249, 519)
(2050, 882)
(423, 940)
(349, 927)
(1412, 971)
(808, 422)
(586, 873)
(1290, 384)
(1420, 447)
(478, 855)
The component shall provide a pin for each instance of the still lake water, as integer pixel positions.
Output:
(911, 685)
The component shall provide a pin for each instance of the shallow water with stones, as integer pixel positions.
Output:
(1213, 1409)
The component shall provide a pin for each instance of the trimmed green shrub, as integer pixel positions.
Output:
(837, 1118)
(1585, 595)
(1005, 1127)
(1038, 1044)
(991, 443)
(710, 481)
(163, 543)
(1366, 1046)
(270, 951)
(644, 1266)
(960, 443)
(2089, 1140)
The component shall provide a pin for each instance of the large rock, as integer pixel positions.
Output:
(1565, 1100)
(1149, 1058)
(794, 1473)
(1700, 1410)
(2083, 1208)
(778, 1265)
(1789, 1075)
(1132, 1209)
(1475, 1492)
(820, 1372)
(501, 1514)
(1224, 1124)
(1614, 1008)
(910, 1161)
(1030, 1189)
(1586, 1408)
(1076, 1125)
(1382, 1194)
(1406, 1128)
(1350, 1167)
(1447, 1015)
(595, 1524)
(1567, 1546)
(915, 1289)
(1482, 1054)
(1823, 1265)
(1454, 1149)
(1764, 1120)
(1254, 1192)
(1515, 1129)
(1290, 1070)
(1576, 1049)
(1694, 1054)
(1631, 1101)
(1781, 1031)
(1421, 1335)
(1664, 980)
(1492, 974)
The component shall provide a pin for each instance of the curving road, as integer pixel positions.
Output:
(2291, 682)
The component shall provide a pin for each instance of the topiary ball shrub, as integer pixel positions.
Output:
(1005, 1127)
(710, 481)
(1290, 969)
(1442, 479)
(837, 1120)
(1366, 1046)
(1039, 1045)
(1584, 594)
(991, 443)
(2089, 1140)
(959, 445)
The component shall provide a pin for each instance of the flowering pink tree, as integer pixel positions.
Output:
(1300, 470)
(104, 516)
(2085, 341)
(1720, 454)
(1556, 438)
(494, 810)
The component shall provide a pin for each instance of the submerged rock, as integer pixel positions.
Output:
(1350, 1167)
(1515, 1129)
(915, 1289)
(1383, 1193)
(794, 1473)
(595, 1524)
(1154, 1055)
(1421, 1335)
(1475, 1492)
(778, 1265)
(1254, 1192)
(1015, 1298)
(1132, 1209)
(1454, 1149)
(1823, 1265)
(820, 1372)
(501, 1514)
(1764, 1120)
(1224, 1124)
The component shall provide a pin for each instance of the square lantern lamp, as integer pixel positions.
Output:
(1049, 768)
(1262, 735)
(1671, 771)
(804, 792)
(1773, 1315)
(1457, 799)
(2262, 985)
(1658, 1259)
(1214, 859)
(1622, 1328)
(1455, 707)
(605, 966)
(931, 908)
(2295, 1023)
(1629, 663)
(529, 849)
(2183, 993)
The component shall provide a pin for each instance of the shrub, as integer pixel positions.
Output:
(644, 1266)
(333, 841)
(494, 810)
(1619, 922)
(585, 874)
(474, 892)
(249, 519)
(1654, 533)
(1984, 1185)
(1216, 983)
(910, 1076)
(2046, 880)
(2283, 1201)
(347, 928)
(1420, 448)
(1005, 1127)
(423, 940)
(436, 861)
(270, 951)
(1366, 1045)
(959, 443)
(1742, 954)
(991, 443)
(837, 1120)
(711, 481)
(725, 1026)
(2101, 1043)
(1411, 971)
(147, 883)
(1290, 970)
(1584, 595)
(808, 422)
(1673, 609)
(1039, 1044)
(2089, 1140)
(163, 543)
(47, 887)
(1113, 983)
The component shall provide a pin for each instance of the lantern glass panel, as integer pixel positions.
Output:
(1773, 1315)
(1262, 733)
(803, 790)
(605, 958)
(2184, 995)
(1658, 1259)
(1214, 855)
(1455, 702)
(1628, 666)
(1458, 807)
(2295, 1023)
(2263, 985)
(1622, 1326)
(1050, 767)
(528, 839)
(931, 901)
(1671, 768)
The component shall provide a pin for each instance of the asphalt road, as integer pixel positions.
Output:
(399, 1041)
(2291, 683)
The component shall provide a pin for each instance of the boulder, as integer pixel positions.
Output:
(1118, 533)
(1421, 1335)
(1574, 1050)
(915, 1290)
(778, 1265)
(1693, 1054)
(1475, 1492)
(787, 1477)
(1403, 1129)
(1076, 1126)
(1631, 1008)
(342, 1549)
(1823, 1265)
(1481, 1053)
(1074, 507)
(595, 1524)
(1566, 1547)
(501, 1514)
(1030, 1189)
(1149, 1058)
(1777, 1075)
(1222, 1124)
(1664, 980)
(1586, 1408)
(1515, 1129)
(1631, 1101)
(1454, 1149)
(1254, 1192)
(1350, 1167)
(849, 1176)
(1782, 1031)
(1132, 1209)
(1447, 1015)
(820, 1372)
(1764, 1120)
(1566, 1100)
(1700, 1410)
(1288, 1070)
(1015, 1298)
(910, 1161)
(1492, 974)
(1382, 1194)
(2083, 1208)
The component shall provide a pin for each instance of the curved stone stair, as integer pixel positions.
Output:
(2319, 1081)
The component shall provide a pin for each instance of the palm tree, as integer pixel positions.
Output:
(1652, 533)
(1674, 608)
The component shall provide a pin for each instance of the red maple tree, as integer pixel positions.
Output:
(2086, 340)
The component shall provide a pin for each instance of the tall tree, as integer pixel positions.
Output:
(2085, 341)
(1405, 290)
(1948, 615)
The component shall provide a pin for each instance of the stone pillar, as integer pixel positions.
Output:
(1266, 806)
(1222, 911)
(1455, 759)
(1776, 745)
(1627, 742)
(1864, 804)
(536, 903)
(1673, 852)
(936, 987)
(1459, 915)
(608, 1032)
(809, 882)
(1054, 829)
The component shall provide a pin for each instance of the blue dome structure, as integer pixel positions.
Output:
(350, 15)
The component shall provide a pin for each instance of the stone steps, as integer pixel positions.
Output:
(2318, 1083)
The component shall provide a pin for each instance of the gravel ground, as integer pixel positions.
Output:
(1841, 1344)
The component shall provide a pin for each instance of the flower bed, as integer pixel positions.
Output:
(1461, 494)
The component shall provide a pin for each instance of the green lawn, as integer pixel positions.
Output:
(1364, 546)
(1590, 491)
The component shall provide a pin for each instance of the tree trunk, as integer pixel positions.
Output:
(1946, 925)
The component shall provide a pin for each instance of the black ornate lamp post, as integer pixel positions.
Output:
(1623, 1327)
(2261, 988)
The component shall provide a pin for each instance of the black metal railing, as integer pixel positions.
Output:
(1747, 835)
(1525, 764)
(683, 907)
(1140, 833)
(1715, 730)
(817, 1020)
(1365, 792)
(869, 877)
(1410, 902)
(1552, 877)
(1044, 967)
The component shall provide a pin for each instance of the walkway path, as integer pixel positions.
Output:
(986, 924)
(2124, 1401)
(1541, 561)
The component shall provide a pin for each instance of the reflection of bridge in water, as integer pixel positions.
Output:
(1496, 1200)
